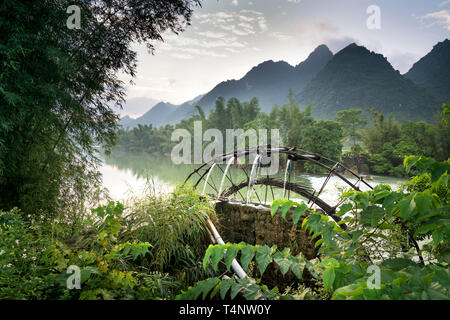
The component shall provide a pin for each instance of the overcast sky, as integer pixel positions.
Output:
(228, 37)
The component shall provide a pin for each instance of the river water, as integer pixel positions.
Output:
(126, 175)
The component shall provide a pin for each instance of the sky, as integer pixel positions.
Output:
(227, 38)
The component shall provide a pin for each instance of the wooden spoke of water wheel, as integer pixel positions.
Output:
(294, 187)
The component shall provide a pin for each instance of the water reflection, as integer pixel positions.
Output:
(126, 175)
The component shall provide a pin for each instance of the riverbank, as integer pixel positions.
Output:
(126, 174)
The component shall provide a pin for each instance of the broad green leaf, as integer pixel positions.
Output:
(225, 286)
(297, 270)
(283, 262)
(207, 256)
(86, 272)
(298, 211)
(275, 205)
(371, 216)
(285, 208)
(423, 202)
(354, 290)
(328, 278)
(263, 258)
(406, 207)
(216, 255)
(409, 162)
(235, 289)
(437, 235)
(231, 254)
(252, 292)
(208, 285)
(247, 254)
(343, 209)
(398, 264)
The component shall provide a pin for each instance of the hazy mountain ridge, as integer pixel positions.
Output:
(359, 78)
(163, 113)
(432, 72)
(352, 78)
(270, 81)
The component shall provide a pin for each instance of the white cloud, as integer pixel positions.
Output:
(235, 3)
(294, 1)
(441, 18)
(280, 36)
(245, 11)
(211, 34)
(184, 56)
(262, 23)
(232, 50)
(443, 3)
(241, 23)
(202, 52)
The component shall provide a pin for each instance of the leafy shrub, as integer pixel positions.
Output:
(150, 252)
(380, 230)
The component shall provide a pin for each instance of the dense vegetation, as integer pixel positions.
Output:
(295, 125)
(388, 142)
(58, 91)
(149, 249)
(378, 236)
(380, 147)
(58, 87)
(153, 248)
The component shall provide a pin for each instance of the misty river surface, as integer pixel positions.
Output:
(126, 175)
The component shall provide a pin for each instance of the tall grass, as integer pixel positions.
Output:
(175, 226)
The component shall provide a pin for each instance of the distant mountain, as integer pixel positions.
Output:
(358, 78)
(157, 116)
(432, 72)
(135, 107)
(163, 113)
(270, 81)
(353, 78)
(126, 121)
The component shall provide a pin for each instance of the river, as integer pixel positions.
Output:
(126, 175)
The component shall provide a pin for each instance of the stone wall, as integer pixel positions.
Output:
(254, 225)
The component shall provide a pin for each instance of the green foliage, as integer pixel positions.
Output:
(389, 142)
(446, 113)
(235, 114)
(34, 263)
(291, 121)
(150, 250)
(351, 121)
(324, 137)
(58, 91)
(175, 228)
(251, 289)
(227, 287)
(382, 232)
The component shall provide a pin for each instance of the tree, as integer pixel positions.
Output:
(58, 88)
(351, 122)
(324, 137)
(384, 129)
(220, 117)
(389, 142)
(292, 121)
